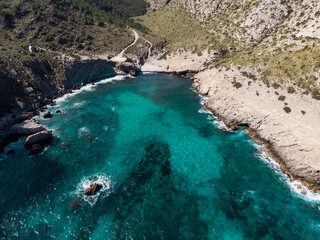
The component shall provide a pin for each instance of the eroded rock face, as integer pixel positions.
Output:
(27, 127)
(93, 189)
(38, 138)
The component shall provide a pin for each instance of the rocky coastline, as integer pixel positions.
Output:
(18, 123)
(290, 138)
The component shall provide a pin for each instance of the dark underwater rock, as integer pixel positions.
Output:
(36, 149)
(93, 189)
(10, 152)
(74, 203)
(206, 131)
(58, 111)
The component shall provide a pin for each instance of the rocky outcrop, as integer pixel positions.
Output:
(26, 128)
(93, 189)
(157, 4)
(128, 68)
(47, 115)
(38, 138)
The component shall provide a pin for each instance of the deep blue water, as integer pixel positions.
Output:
(168, 173)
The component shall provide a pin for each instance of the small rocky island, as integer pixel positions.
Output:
(93, 189)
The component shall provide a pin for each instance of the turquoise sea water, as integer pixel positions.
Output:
(168, 173)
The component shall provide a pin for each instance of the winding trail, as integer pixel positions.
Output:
(149, 49)
(120, 57)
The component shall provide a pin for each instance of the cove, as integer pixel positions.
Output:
(167, 170)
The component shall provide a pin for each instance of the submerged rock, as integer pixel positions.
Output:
(36, 149)
(76, 202)
(40, 137)
(47, 115)
(10, 152)
(27, 127)
(58, 111)
(93, 189)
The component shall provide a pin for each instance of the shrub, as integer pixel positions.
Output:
(275, 85)
(237, 85)
(291, 90)
(315, 94)
(281, 98)
(287, 109)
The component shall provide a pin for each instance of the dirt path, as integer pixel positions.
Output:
(120, 57)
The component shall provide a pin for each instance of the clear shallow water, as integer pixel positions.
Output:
(167, 172)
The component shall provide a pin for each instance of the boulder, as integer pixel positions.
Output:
(127, 67)
(93, 189)
(133, 73)
(58, 111)
(47, 115)
(38, 138)
(27, 127)
(36, 149)
(76, 202)
(303, 192)
(32, 49)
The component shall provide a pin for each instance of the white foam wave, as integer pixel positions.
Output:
(83, 130)
(295, 186)
(85, 183)
(90, 87)
(79, 104)
(216, 122)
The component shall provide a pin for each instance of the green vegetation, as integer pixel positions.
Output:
(278, 66)
(59, 30)
(291, 90)
(281, 98)
(175, 30)
(57, 26)
(249, 75)
(287, 109)
(237, 85)
(120, 12)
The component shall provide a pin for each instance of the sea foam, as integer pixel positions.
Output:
(85, 183)
(89, 87)
(295, 186)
